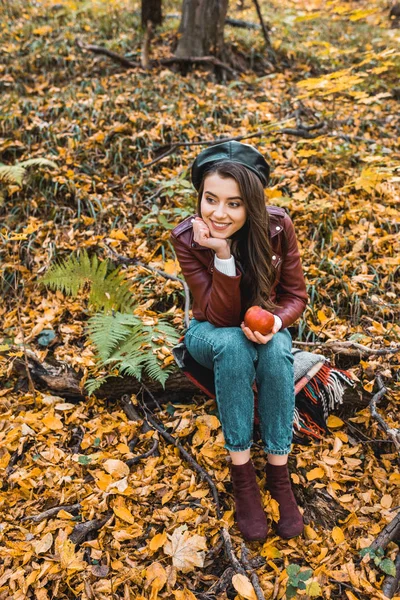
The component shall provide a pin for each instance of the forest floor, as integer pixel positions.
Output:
(337, 68)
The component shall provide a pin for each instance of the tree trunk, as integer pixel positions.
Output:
(202, 28)
(151, 11)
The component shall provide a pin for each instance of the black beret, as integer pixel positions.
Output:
(232, 151)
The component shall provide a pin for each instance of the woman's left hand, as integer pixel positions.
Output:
(257, 337)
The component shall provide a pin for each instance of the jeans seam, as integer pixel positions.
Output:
(201, 340)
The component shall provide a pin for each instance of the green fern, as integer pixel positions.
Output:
(120, 338)
(16, 173)
(125, 342)
(107, 291)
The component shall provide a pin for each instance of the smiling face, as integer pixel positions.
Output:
(221, 203)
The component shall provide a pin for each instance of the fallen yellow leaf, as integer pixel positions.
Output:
(243, 586)
(316, 473)
(157, 541)
(124, 513)
(333, 421)
(338, 535)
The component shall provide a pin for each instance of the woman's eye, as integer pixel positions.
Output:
(232, 204)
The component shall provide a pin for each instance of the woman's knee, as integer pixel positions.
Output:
(232, 340)
(280, 345)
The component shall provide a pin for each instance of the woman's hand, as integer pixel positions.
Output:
(257, 337)
(202, 235)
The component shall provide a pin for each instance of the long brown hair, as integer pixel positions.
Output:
(251, 244)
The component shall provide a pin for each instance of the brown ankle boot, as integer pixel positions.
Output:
(250, 515)
(279, 485)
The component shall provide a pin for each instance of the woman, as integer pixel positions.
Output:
(236, 253)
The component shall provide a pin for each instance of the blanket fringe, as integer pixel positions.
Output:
(319, 397)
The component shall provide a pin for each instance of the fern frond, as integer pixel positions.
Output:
(15, 173)
(92, 384)
(153, 369)
(106, 291)
(123, 341)
(38, 162)
(108, 331)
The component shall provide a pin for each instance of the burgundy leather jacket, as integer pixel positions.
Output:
(217, 297)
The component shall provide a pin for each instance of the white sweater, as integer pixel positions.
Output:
(227, 266)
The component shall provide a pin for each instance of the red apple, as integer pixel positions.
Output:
(259, 319)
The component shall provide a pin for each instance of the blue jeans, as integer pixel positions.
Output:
(237, 362)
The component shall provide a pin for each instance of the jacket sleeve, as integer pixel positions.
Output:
(216, 295)
(291, 290)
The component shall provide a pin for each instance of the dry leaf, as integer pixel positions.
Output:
(334, 421)
(125, 514)
(243, 586)
(116, 468)
(157, 541)
(185, 549)
(316, 473)
(44, 544)
(338, 535)
(184, 594)
(156, 577)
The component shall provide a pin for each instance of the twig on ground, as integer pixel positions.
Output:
(337, 346)
(392, 433)
(391, 583)
(253, 575)
(76, 439)
(129, 64)
(52, 512)
(388, 534)
(15, 457)
(220, 586)
(157, 425)
(82, 530)
(133, 461)
(125, 62)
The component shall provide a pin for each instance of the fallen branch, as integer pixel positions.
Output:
(392, 433)
(82, 530)
(157, 425)
(302, 132)
(253, 575)
(52, 512)
(388, 534)
(241, 24)
(337, 347)
(133, 461)
(125, 62)
(129, 64)
(391, 584)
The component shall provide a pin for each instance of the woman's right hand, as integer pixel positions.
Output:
(202, 235)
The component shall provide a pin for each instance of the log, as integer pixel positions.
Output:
(64, 381)
(61, 380)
